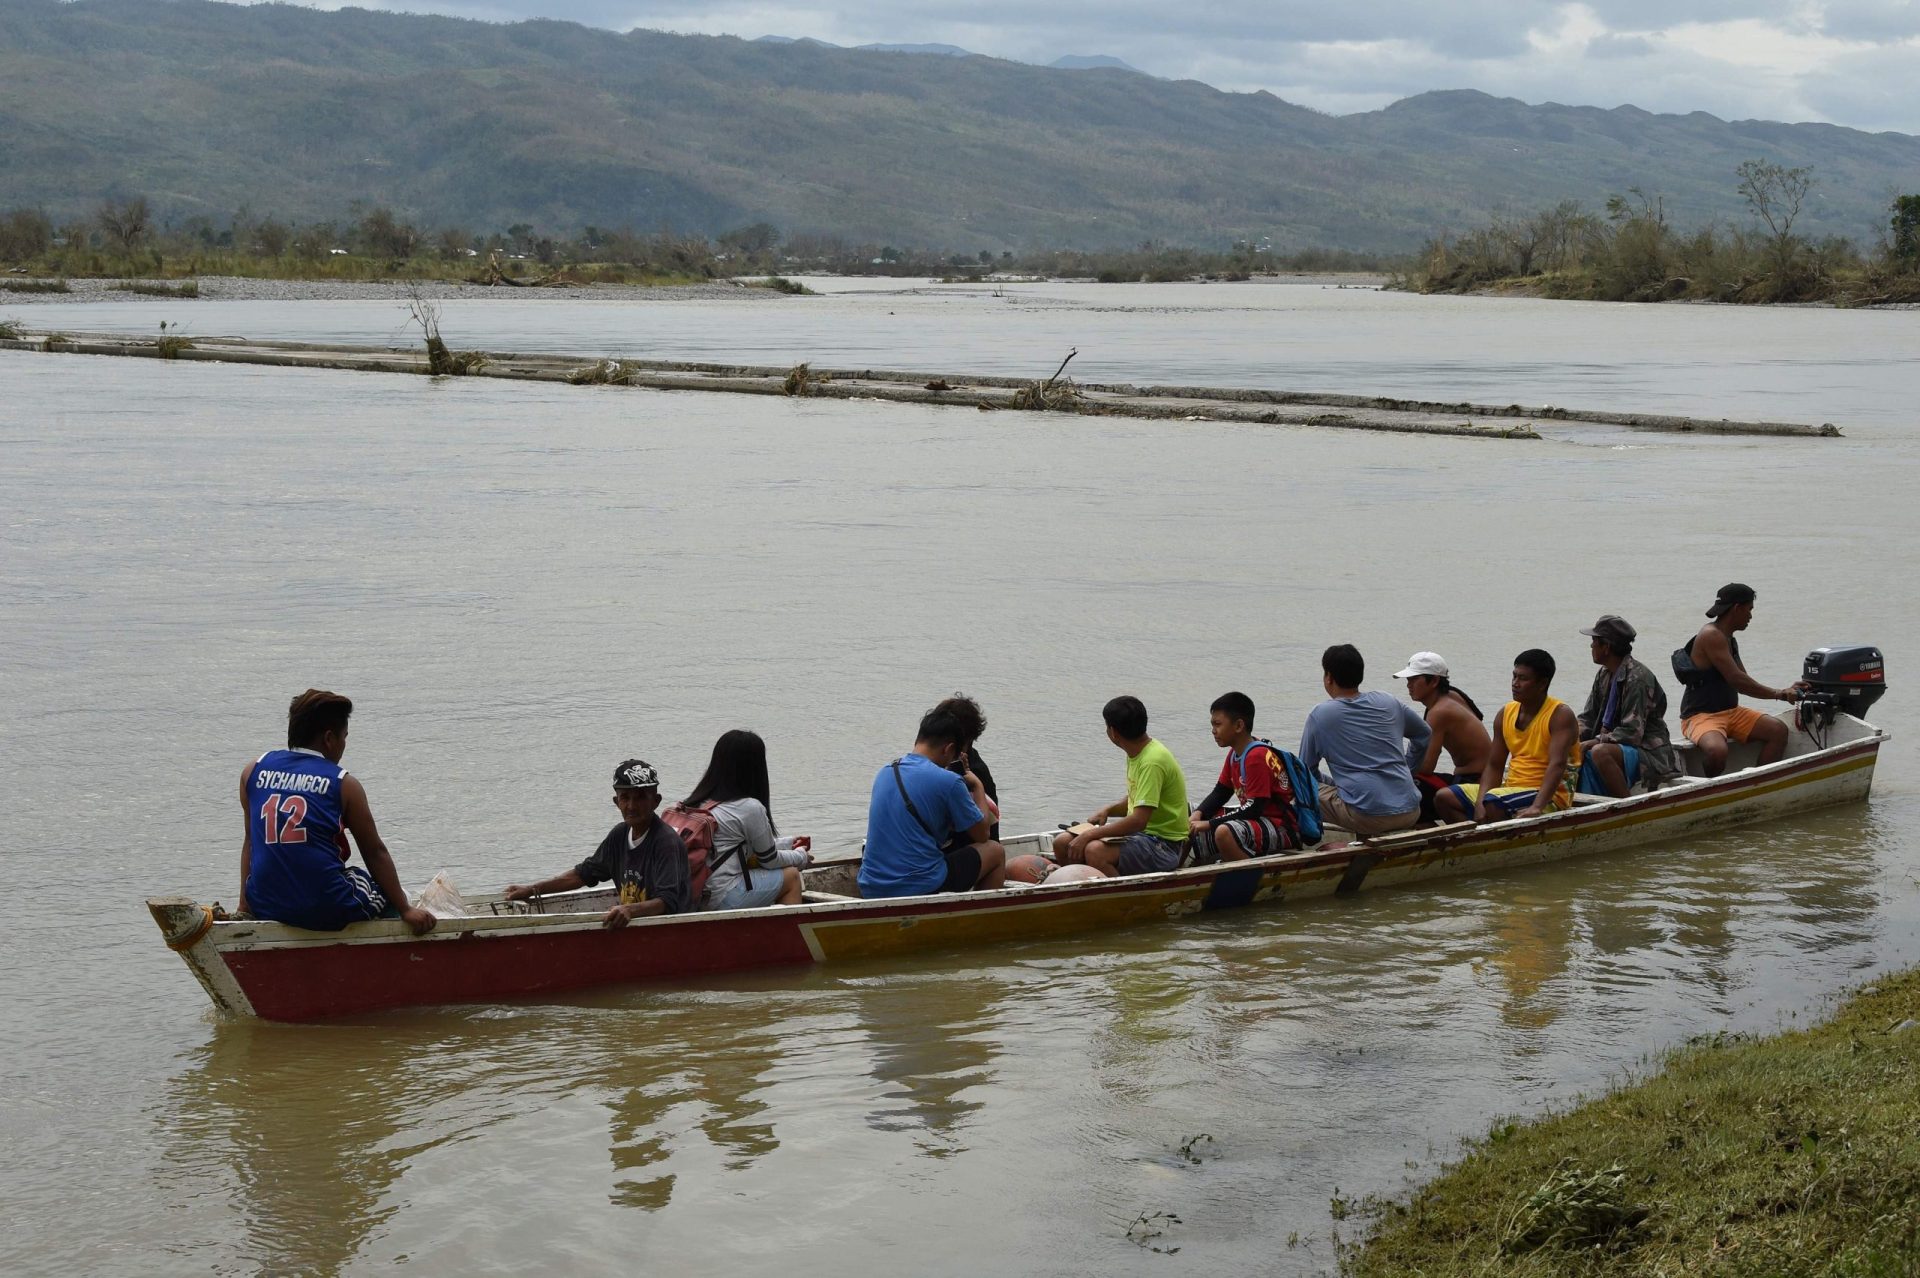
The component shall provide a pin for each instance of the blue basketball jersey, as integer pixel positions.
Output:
(297, 842)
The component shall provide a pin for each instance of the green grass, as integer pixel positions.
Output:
(35, 286)
(186, 288)
(781, 284)
(9, 330)
(1798, 1153)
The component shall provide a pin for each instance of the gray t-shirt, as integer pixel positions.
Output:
(745, 825)
(1369, 742)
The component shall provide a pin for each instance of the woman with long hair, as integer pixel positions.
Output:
(751, 865)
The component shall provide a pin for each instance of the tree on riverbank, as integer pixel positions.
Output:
(1635, 253)
(382, 243)
(1904, 248)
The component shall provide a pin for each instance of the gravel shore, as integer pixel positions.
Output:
(228, 288)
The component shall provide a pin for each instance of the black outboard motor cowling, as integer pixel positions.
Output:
(1842, 680)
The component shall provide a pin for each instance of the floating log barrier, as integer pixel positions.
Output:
(1186, 403)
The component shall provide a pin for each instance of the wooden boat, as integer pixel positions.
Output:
(514, 950)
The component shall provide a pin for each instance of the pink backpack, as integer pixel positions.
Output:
(695, 827)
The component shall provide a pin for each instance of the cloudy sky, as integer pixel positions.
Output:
(1850, 62)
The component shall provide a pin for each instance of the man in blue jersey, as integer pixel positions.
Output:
(299, 805)
(920, 801)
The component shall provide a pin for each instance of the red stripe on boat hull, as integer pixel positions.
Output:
(310, 983)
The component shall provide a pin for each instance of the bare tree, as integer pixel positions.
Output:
(272, 237)
(385, 235)
(1775, 193)
(1522, 238)
(24, 233)
(126, 223)
(1561, 230)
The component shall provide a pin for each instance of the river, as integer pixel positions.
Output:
(521, 584)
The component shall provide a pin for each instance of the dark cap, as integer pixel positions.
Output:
(635, 774)
(1731, 596)
(1611, 628)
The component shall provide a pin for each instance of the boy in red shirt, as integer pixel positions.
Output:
(1263, 821)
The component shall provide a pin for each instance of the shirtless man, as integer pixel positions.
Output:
(1458, 728)
(1710, 709)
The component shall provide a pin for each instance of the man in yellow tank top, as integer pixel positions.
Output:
(1536, 752)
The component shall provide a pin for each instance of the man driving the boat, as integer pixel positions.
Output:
(920, 801)
(1714, 675)
(1623, 730)
(642, 855)
(1536, 752)
(299, 805)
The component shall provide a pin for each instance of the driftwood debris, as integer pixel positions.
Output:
(1052, 395)
(441, 362)
(1058, 394)
(494, 277)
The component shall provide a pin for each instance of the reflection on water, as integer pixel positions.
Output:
(308, 1142)
(930, 1041)
(520, 584)
(1096, 1052)
(1534, 943)
(670, 1080)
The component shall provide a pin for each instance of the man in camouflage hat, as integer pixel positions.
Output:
(1623, 730)
(644, 856)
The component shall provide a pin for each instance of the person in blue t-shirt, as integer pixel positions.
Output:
(1369, 742)
(299, 805)
(920, 801)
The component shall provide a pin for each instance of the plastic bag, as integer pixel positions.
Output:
(442, 899)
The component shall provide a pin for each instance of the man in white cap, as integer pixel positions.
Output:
(1458, 727)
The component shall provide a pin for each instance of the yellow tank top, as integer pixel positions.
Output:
(1527, 751)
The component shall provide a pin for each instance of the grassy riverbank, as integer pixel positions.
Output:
(1797, 1153)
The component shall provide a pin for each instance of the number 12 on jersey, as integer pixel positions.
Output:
(283, 816)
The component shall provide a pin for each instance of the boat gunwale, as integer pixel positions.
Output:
(1397, 850)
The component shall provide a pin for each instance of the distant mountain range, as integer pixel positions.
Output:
(297, 113)
(1068, 62)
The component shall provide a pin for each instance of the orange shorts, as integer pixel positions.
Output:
(1736, 724)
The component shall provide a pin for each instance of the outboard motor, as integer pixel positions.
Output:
(1845, 680)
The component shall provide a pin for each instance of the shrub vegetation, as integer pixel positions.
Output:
(1633, 253)
(123, 240)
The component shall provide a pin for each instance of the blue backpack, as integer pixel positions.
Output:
(1306, 793)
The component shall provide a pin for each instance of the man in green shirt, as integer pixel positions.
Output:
(1146, 832)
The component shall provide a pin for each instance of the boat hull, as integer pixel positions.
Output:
(282, 973)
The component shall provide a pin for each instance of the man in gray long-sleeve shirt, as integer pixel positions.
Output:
(1369, 741)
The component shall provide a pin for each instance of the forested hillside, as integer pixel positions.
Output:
(297, 113)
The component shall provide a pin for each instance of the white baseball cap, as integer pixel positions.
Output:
(1424, 663)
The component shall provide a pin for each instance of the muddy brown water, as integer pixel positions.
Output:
(522, 584)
